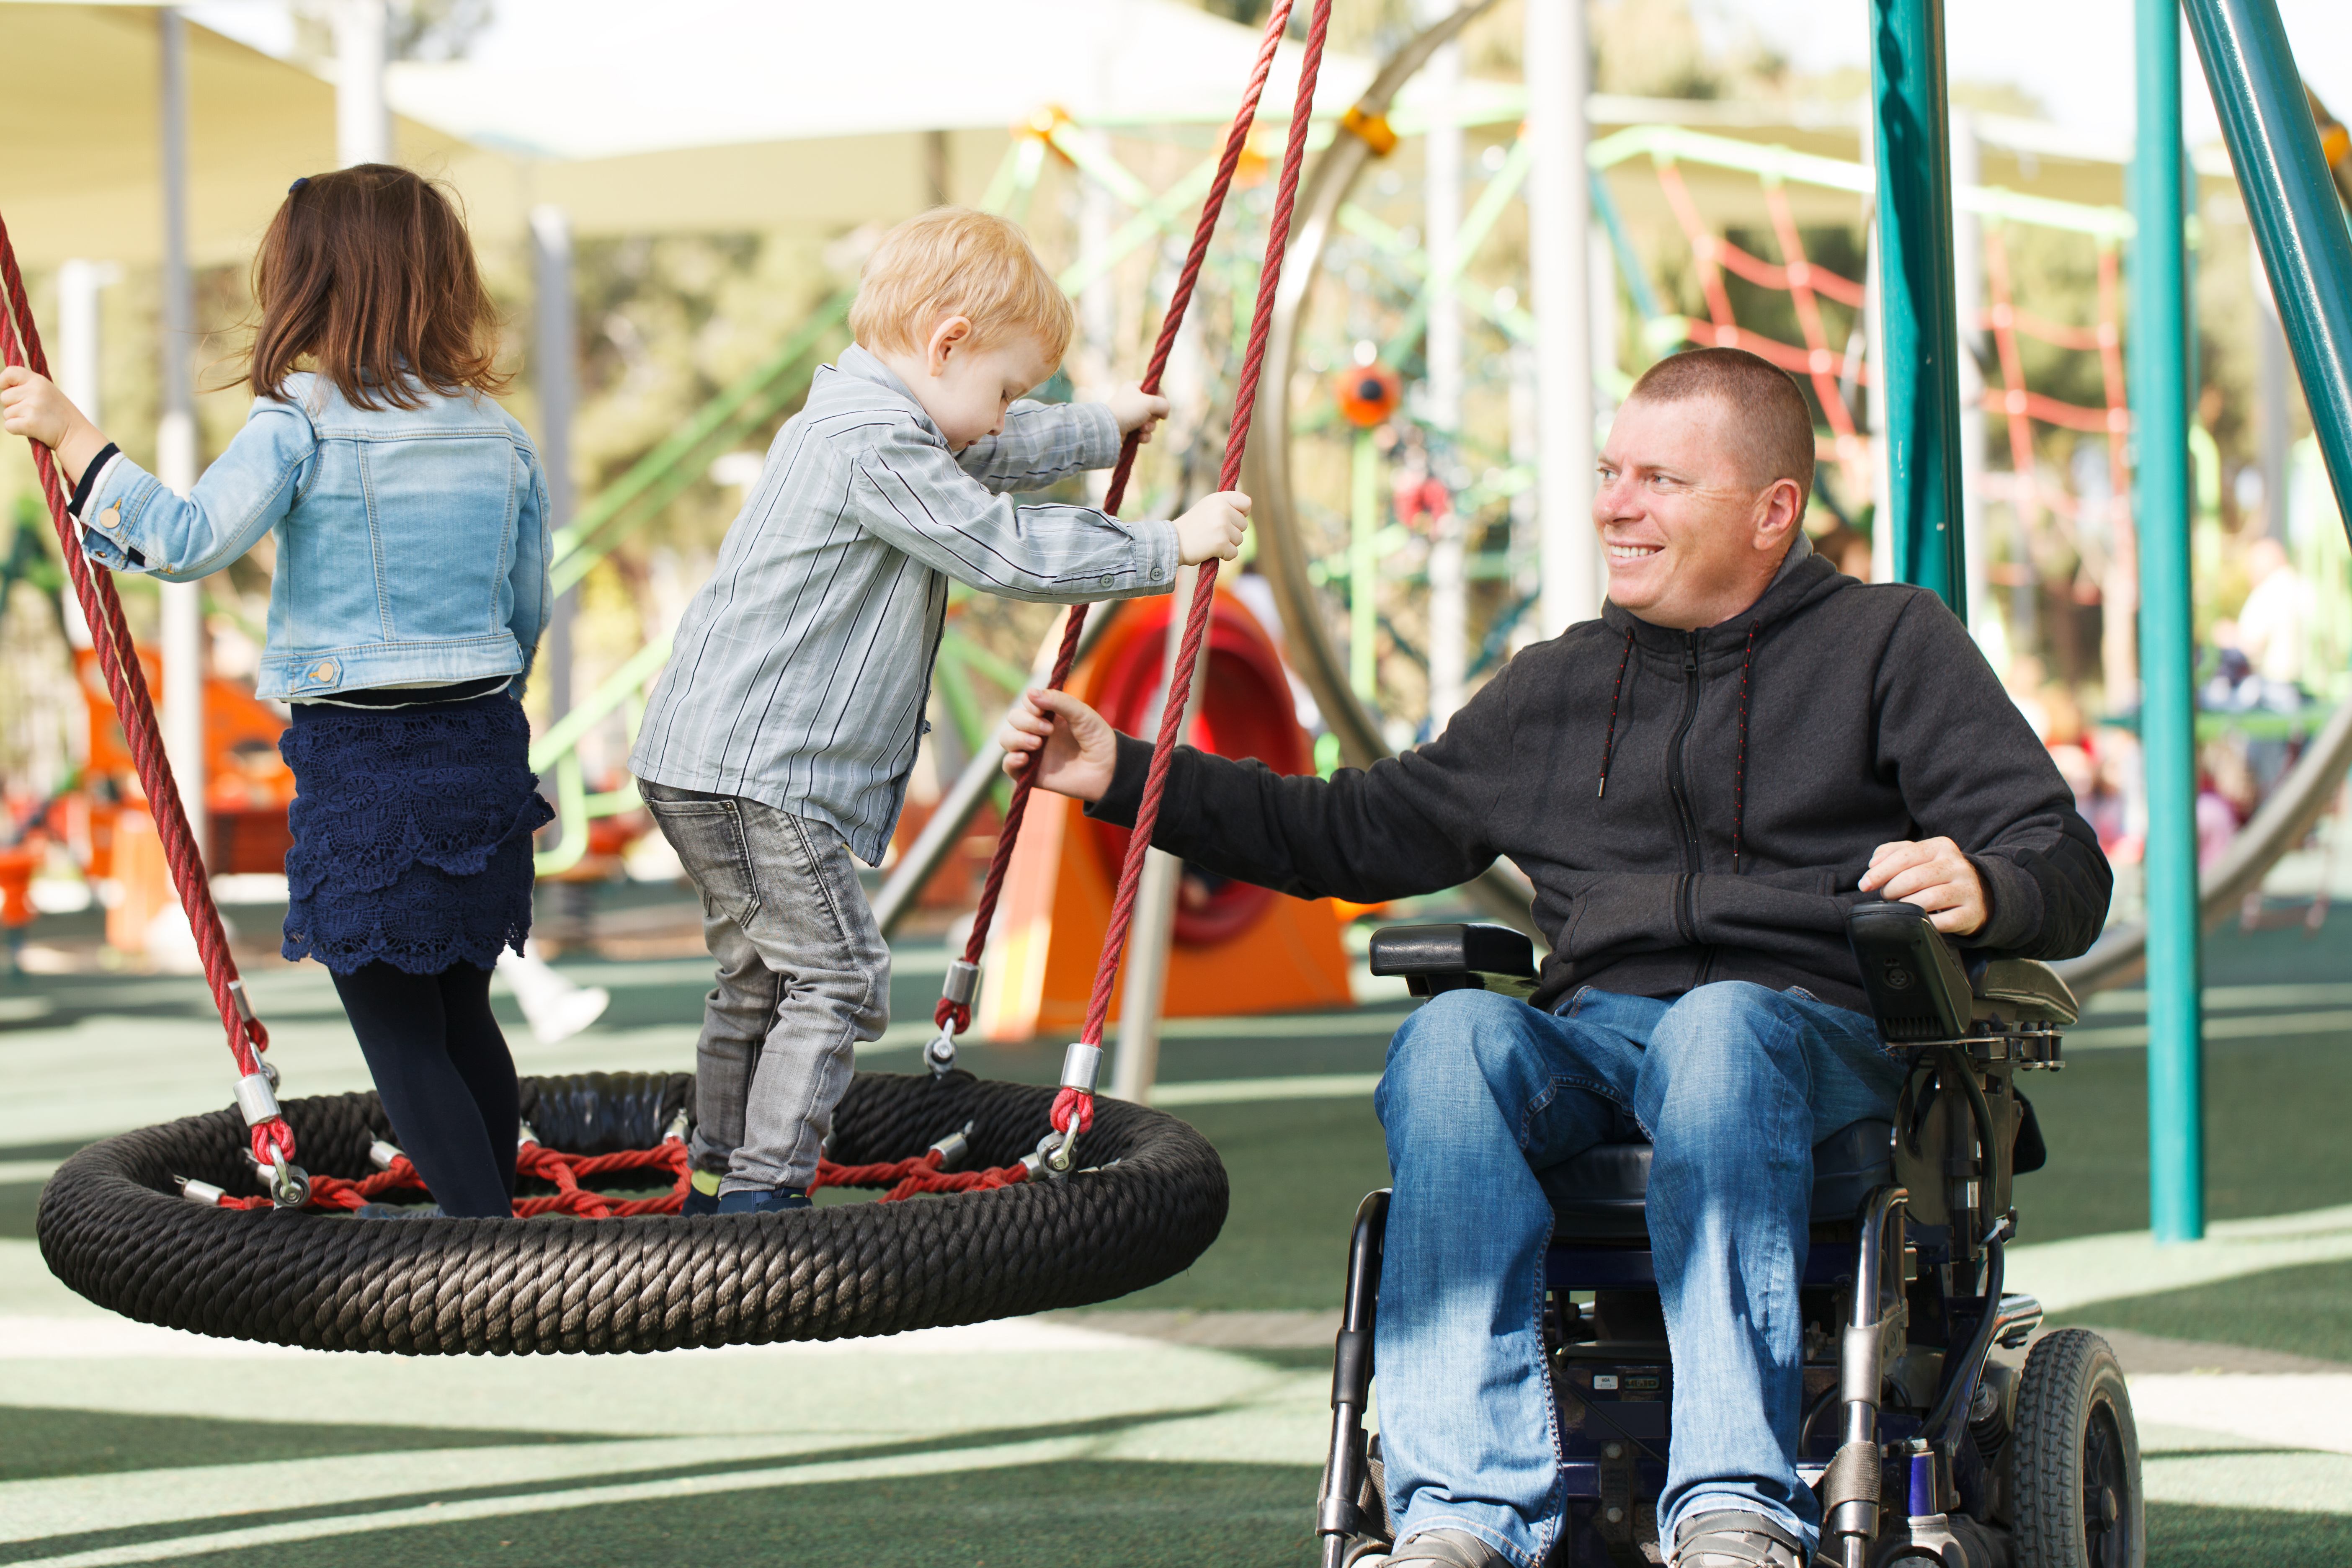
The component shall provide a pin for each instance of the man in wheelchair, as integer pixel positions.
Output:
(1690, 1113)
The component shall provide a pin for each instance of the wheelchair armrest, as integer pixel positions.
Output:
(2025, 991)
(1475, 957)
(1919, 988)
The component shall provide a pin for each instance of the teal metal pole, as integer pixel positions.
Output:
(1922, 333)
(2298, 218)
(2159, 393)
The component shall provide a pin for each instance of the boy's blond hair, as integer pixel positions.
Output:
(953, 261)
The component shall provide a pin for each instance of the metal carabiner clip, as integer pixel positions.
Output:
(940, 1052)
(289, 1185)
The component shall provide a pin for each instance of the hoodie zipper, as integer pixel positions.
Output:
(1685, 898)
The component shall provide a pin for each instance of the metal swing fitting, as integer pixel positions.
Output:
(289, 1185)
(955, 1148)
(1081, 1069)
(678, 1126)
(958, 987)
(524, 1135)
(382, 1155)
(257, 1095)
(245, 1012)
(204, 1195)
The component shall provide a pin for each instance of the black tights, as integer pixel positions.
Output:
(447, 1080)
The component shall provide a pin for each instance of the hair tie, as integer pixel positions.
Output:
(297, 184)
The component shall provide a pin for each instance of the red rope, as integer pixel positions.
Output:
(1236, 140)
(127, 684)
(904, 1178)
(1196, 624)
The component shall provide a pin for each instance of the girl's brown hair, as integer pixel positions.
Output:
(369, 274)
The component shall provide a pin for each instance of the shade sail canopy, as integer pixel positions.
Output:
(81, 164)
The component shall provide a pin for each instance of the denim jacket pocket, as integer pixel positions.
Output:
(709, 837)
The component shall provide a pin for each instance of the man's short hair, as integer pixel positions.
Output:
(953, 261)
(1772, 413)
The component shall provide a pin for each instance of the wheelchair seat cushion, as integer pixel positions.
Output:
(1599, 1195)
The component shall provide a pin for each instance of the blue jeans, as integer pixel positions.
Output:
(804, 980)
(1734, 1084)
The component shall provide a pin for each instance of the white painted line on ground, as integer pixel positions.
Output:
(2067, 1275)
(935, 1462)
(2241, 1026)
(2273, 1482)
(42, 1337)
(2233, 998)
(14, 1173)
(2309, 1410)
(1244, 1090)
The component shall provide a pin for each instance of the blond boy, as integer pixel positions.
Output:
(779, 739)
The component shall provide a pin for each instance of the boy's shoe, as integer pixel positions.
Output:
(397, 1211)
(766, 1200)
(702, 1195)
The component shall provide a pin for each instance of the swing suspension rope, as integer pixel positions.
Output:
(1072, 1110)
(272, 1140)
(126, 682)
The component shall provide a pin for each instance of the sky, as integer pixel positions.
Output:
(2074, 56)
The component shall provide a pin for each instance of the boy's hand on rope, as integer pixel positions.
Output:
(1065, 744)
(1213, 527)
(32, 406)
(1135, 409)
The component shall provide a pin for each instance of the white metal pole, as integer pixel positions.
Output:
(1967, 287)
(2273, 407)
(1559, 203)
(362, 115)
(1143, 982)
(554, 338)
(1442, 391)
(183, 628)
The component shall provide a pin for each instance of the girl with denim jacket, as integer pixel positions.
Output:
(409, 589)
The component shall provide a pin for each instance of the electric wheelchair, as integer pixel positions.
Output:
(1923, 1448)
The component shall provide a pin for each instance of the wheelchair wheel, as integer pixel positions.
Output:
(2077, 1459)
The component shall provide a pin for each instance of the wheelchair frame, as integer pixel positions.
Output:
(1903, 1305)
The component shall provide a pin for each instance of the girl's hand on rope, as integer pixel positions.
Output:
(1065, 744)
(32, 406)
(1214, 527)
(1135, 409)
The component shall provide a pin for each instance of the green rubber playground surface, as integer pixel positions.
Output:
(1180, 1426)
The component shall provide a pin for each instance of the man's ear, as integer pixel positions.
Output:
(1779, 512)
(946, 338)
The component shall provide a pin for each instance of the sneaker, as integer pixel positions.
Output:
(1736, 1540)
(397, 1211)
(1445, 1549)
(701, 1196)
(762, 1200)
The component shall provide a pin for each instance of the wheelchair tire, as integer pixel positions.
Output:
(2076, 1464)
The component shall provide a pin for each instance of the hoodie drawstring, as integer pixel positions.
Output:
(1609, 743)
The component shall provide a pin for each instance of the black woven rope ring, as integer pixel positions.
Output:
(111, 1227)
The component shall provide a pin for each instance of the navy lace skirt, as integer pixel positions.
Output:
(412, 834)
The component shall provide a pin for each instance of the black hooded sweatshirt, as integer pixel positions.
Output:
(1690, 806)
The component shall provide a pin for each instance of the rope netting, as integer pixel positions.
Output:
(1072, 1108)
(1834, 373)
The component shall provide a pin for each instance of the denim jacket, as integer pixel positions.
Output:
(411, 543)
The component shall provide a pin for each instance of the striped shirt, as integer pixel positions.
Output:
(800, 673)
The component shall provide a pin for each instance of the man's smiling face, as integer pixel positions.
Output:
(1691, 535)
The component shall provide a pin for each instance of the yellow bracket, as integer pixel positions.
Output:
(1375, 128)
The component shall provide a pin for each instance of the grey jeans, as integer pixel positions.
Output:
(803, 976)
